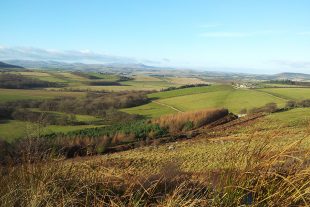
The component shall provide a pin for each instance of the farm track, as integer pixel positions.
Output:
(273, 95)
(166, 105)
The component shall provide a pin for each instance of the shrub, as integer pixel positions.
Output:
(291, 104)
(304, 103)
(271, 107)
(268, 108)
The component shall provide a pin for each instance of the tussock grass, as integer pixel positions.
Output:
(257, 176)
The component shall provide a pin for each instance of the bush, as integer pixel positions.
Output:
(44, 117)
(271, 107)
(94, 103)
(268, 108)
(304, 103)
(291, 104)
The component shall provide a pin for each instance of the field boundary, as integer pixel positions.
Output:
(166, 105)
(273, 95)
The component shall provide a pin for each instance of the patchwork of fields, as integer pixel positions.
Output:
(165, 102)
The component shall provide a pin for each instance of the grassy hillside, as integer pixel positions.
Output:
(208, 151)
(208, 97)
(260, 162)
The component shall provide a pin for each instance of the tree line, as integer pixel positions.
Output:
(16, 81)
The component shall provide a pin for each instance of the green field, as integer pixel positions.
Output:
(129, 85)
(23, 94)
(150, 110)
(189, 91)
(190, 99)
(292, 118)
(289, 93)
(13, 129)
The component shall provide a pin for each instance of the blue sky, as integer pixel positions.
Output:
(256, 36)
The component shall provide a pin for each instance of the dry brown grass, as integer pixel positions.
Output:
(189, 120)
(257, 176)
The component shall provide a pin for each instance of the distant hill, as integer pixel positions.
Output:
(138, 68)
(7, 66)
(79, 66)
(292, 76)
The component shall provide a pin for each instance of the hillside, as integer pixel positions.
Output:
(7, 66)
(251, 161)
(188, 149)
(216, 96)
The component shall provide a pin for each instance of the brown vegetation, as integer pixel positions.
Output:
(190, 120)
(268, 108)
(254, 175)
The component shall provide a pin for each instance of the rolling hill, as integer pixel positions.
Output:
(6, 66)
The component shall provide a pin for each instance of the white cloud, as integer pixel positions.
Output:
(87, 56)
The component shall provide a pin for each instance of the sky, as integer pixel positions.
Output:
(252, 36)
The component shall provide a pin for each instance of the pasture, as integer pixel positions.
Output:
(24, 94)
(289, 93)
(14, 129)
(216, 96)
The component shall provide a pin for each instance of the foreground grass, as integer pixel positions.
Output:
(236, 168)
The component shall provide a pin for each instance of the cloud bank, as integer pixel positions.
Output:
(86, 56)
